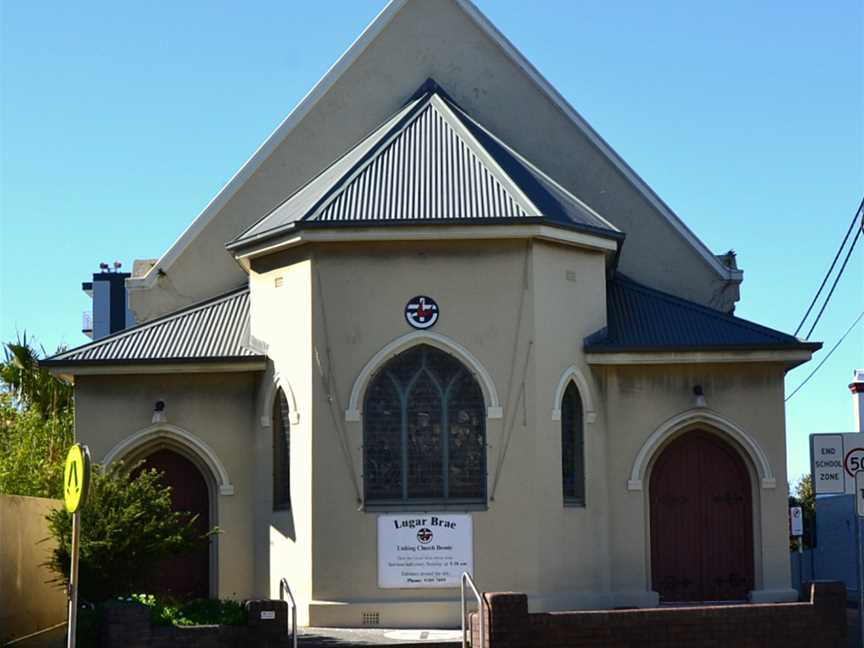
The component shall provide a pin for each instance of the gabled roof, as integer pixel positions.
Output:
(210, 331)
(336, 72)
(641, 319)
(430, 162)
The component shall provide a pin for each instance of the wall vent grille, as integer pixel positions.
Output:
(371, 618)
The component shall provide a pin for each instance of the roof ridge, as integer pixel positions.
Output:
(315, 177)
(369, 157)
(474, 145)
(734, 319)
(522, 159)
(210, 301)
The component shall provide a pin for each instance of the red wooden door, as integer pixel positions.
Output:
(701, 521)
(187, 575)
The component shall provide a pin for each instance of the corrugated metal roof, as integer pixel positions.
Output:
(214, 329)
(430, 162)
(643, 319)
(427, 172)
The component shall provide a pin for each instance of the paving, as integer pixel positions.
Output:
(345, 637)
(312, 638)
(55, 638)
(853, 633)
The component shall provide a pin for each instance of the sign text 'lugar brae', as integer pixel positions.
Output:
(415, 523)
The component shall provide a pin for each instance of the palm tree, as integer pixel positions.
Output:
(33, 387)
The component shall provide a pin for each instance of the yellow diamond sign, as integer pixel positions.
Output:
(76, 477)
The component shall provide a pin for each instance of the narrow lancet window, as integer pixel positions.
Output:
(281, 454)
(572, 447)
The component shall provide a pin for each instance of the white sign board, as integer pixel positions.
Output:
(859, 493)
(424, 550)
(796, 522)
(834, 460)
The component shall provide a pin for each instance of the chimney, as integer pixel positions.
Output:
(108, 291)
(857, 389)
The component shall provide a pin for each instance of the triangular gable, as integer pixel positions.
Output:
(430, 162)
(450, 39)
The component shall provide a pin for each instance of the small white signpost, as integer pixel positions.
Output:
(424, 550)
(796, 522)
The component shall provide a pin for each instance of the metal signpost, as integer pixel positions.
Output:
(859, 508)
(76, 484)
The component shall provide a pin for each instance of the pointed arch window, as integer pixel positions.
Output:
(281, 453)
(424, 432)
(572, 447)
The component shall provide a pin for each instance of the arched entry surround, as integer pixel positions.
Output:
(698, 420)
(165, 436)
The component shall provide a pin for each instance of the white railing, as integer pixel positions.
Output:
(283, 589)
(466, 578)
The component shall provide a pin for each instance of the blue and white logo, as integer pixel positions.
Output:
(421, 312)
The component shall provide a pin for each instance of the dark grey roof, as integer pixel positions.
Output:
(214, 330)
(430, 162)
(643, 319)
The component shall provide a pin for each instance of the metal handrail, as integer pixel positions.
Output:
(283, 587)
(466, 578)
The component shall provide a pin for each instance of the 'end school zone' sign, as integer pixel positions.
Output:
(834, 461)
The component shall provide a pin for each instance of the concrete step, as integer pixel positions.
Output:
(391, 638)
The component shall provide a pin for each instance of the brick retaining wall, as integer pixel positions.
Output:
(818, 622)
(127, 625)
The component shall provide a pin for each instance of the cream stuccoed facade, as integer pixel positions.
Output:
(539, 304)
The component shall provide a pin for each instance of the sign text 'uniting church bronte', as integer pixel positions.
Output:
(422, 550)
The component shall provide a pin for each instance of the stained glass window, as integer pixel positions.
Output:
(572, 447)
(424, 431)
(281, 454)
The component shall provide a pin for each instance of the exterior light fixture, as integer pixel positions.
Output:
(698, 396)
(159, 412)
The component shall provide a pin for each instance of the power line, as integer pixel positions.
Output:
(825, 359)
(831, 269)
(836, 280)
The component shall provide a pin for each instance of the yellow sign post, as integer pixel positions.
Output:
(76, 484)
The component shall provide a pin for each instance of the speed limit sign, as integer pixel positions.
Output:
(853, 462)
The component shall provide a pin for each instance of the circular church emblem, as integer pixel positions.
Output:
(424, 535)
(421, 312)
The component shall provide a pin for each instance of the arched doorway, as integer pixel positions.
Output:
(187, 575)
(701, 521)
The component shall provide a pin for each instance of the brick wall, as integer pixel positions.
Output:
(127, 625)
(817, 622)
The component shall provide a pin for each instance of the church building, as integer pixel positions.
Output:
(436, 325)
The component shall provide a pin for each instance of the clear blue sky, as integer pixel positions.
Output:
(120, 121)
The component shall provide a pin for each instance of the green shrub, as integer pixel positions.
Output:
(167, 611)
(127, 527)
(35, 424)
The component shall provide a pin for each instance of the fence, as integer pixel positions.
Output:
(28, 602)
